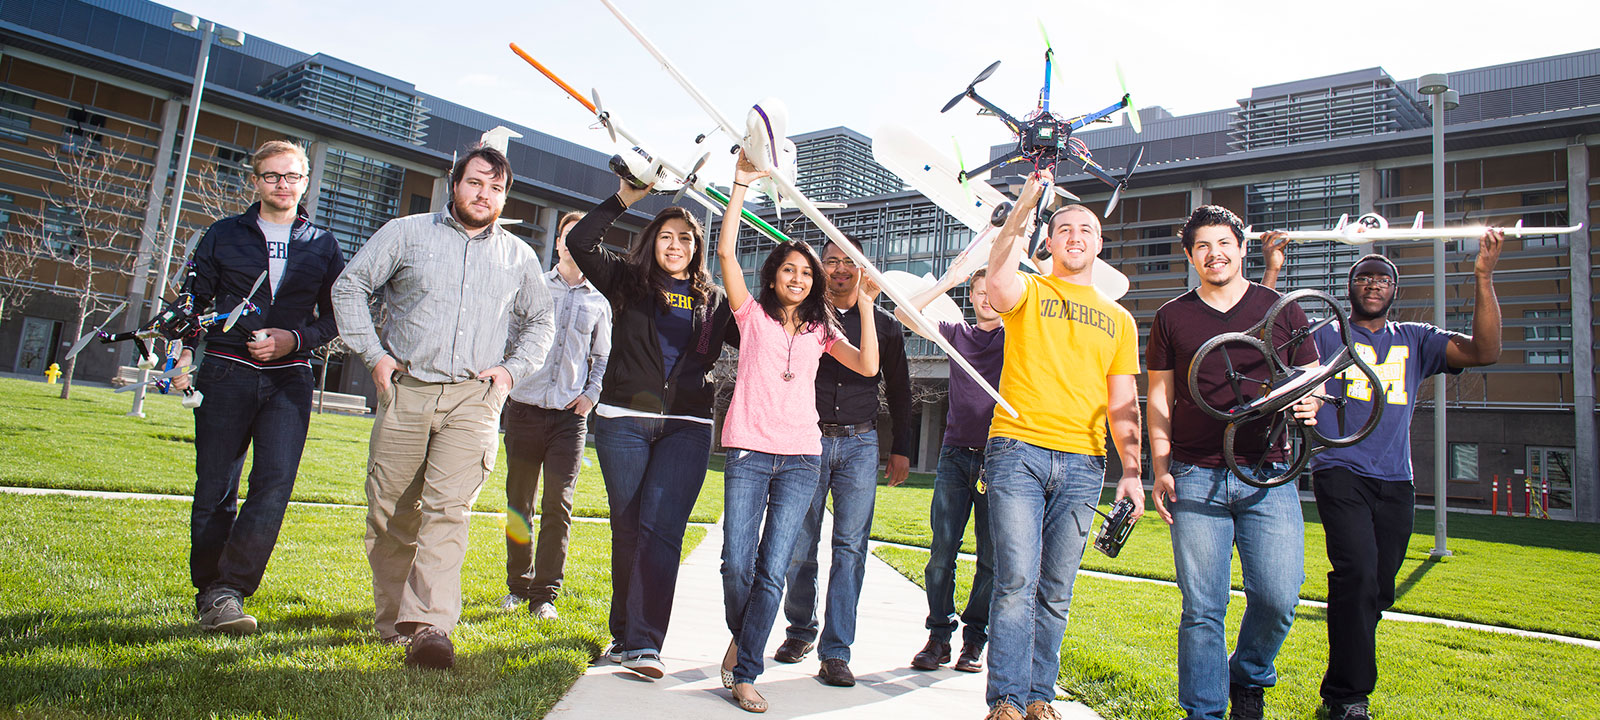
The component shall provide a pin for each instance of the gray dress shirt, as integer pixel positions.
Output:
(455, 305)
(581, 349)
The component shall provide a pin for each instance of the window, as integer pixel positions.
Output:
(1464, 461)
(1548, 357)
(14, 125)
(1155, 249)
(420, 204)
(1548, 325)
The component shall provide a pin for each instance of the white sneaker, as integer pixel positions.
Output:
(544, 611)
(648, 665)
(511, 601)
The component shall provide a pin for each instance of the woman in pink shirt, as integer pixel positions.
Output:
(770, 433)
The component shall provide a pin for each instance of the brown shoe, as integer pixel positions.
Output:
(1041, 710)
(837, 673)
(1003, 711)
(792, 651)
(971, 659)
(934, 654)
(430, 648)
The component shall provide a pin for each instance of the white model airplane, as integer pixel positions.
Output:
(1371, 227)
(764, 146)
(976, 205)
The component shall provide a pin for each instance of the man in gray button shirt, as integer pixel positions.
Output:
(545, 422)
(457, 288)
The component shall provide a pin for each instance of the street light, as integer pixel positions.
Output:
(1437, 87)
(232, 38)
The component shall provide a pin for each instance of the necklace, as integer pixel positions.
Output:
(787, 373)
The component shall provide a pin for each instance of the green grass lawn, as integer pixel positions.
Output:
(1512, 572)
(96, 620)
(1120, 658)
(87, 443)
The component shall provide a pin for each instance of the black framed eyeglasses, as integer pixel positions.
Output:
(272, 178)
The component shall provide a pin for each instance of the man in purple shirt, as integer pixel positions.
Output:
(957, 488)
(1364, 492)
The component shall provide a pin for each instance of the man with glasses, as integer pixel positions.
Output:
(847, 405)
(257, 383)
(1364, 492)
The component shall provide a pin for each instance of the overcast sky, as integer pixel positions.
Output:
(862, 63)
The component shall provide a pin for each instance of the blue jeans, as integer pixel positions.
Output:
(1213, 512)
(955, 496)
(757, 486)
(1039, 523)
(271, 410)
(653, 470)
(850, 472)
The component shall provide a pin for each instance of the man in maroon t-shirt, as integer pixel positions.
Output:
(1208, 508)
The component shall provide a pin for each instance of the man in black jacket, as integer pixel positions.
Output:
(847, 405)
(256, 381)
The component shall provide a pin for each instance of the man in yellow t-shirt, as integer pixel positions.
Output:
(1071, 357)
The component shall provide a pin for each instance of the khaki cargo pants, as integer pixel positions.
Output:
(433, 446)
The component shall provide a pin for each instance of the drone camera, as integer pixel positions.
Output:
(1115, 530)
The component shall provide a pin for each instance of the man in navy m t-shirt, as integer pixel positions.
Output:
(1364, 492)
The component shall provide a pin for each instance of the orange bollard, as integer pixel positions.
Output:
(1494, 497)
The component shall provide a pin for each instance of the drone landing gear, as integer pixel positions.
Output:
(1271, 397)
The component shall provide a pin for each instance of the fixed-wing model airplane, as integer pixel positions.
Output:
(757, 147)
(1371, 227)
(1272, 396)
(979, 206)
(176, 323)
(641, 169)
(1044, 138)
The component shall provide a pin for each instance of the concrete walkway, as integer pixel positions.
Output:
(889, 631)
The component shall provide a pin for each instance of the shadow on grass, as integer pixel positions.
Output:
(1412, 578)
(307, 663)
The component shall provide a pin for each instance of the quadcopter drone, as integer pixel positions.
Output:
(1258, 398)
(176, 323)
(1045, 138)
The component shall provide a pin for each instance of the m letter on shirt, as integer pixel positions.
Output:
(1392, 371)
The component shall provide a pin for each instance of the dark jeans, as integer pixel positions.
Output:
(270, 409)
(765, 499)
(1368, 526)
(850, 472)
(956, 496)
(538, 438)
(653, 470)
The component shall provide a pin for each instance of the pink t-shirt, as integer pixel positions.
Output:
(769, 414)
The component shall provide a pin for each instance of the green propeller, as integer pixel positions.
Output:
(1133, 111)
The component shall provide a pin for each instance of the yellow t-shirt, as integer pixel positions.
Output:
(1062, 341)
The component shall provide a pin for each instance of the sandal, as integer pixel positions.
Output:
(756, 704)
(729, 659)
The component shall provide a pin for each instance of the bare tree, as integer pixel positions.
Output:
(326, 353)
(221, 191)
(19, 262)
(89, 226)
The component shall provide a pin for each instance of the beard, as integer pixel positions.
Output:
(471, 216)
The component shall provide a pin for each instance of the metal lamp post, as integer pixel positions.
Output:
(1437, 87)
(232, 38)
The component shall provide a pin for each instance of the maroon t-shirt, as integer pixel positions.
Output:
(1184, 324)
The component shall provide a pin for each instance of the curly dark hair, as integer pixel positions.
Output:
(1206, 216)
(651, 281)
(814, 311)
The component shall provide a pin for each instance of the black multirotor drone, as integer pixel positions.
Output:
(1272, 396)
(1045, 138)
(178, 322)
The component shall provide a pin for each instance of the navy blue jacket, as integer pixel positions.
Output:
(233, 253)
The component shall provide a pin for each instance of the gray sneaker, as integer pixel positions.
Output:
(544, 611)
(511, 601)
(226, 615)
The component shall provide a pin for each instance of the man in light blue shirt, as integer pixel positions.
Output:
(545, 423)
